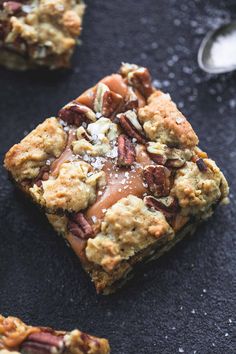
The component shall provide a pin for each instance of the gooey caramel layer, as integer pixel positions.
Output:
(121, 182)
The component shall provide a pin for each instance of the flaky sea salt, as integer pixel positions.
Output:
(94, 218)
(223, 51)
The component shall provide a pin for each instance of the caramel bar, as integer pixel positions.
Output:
(39, 32)
(119, 174)
(17, 337)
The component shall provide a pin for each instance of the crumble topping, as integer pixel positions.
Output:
(162, 121)
(25, 159)
(58, 222)
(198, 192)
(73, 189)
(41, 32)
(128, 227)
(79, 343)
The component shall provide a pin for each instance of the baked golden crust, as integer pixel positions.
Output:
(119, 174)
(40, 32)
(17, 337)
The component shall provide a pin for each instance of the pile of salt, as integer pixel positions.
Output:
(223, 51)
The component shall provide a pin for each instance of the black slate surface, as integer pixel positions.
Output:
(185, 302)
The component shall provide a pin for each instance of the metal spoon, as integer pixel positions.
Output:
(204, 53)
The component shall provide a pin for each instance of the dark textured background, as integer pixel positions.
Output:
(185, 302)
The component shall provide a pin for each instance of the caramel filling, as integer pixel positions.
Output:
(66, 155)
(78, 245)
(87, 98)
(115, 83)
(121, 182)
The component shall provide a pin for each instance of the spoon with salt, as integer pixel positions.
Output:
(217, 52)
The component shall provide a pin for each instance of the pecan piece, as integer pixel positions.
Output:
(156, 153)
(157, 179)
(106, 101)
(169, 209)
(75, 113)
(126, 151)
(42, 343)
(132, 127)
(12, 7)
(112, 102)
(141, 80)
(201, 165)
(175, 163)
(159, 159)
(42, 176)
(79, 226)
(131, 100)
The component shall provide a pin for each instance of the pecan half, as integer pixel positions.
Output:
(169, 209)
(157, 179)
(126, 151)
(141, 80)
(201, 165)
(75, 113)
(79, 226)
(132, 127)
(106, 101)
(12, 7)
(42, 343)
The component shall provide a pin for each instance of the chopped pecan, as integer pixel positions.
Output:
(12, 7)
(156, 153)
(131, 100)
(201, 165)
(157, 178)
(141, 80)
(83, 134)
(175, 163)
(132, 127)
(169, 209)
(42, 176)
(79, 226)
(112, 102)
(106, 101)
(159, 159)
(126, 151)
(75, 113)
(126, 68)
(42, 343)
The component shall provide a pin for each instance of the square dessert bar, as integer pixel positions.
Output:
(17, 337)
(39, 32)
(119, 175)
